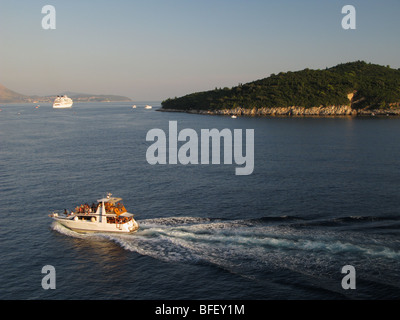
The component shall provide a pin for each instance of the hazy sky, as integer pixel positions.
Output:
(156, 49)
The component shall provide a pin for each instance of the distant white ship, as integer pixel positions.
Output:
(148, 107)
(62, 102)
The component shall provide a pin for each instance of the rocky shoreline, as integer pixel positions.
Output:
(295, 111)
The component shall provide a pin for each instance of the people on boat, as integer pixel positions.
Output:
(117, 220)
(84, 208)
(117, 208)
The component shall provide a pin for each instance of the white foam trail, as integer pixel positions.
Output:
(68, 232)
(242, 247)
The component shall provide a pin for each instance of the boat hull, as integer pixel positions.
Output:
(62, 106)
(90, 226)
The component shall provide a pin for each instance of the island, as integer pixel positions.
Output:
(353, 88)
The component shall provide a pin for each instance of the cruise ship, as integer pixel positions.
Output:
(62, 102)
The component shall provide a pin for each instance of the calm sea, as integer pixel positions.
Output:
(324, 194)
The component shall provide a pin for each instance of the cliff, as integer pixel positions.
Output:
(297, 111)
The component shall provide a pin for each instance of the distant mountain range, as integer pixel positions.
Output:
(9, 96)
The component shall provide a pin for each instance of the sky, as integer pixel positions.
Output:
(159, 49)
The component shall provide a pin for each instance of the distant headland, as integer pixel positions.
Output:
(354, 88)
(9, 96)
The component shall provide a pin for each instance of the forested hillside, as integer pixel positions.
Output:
(373, 86)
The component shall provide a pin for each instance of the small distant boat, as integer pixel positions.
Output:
(62, 102)
(148, 107)
(134, 106)
(109, 215)
(233, 117)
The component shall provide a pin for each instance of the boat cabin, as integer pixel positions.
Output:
(108, 210)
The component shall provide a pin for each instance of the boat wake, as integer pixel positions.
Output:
(259, 246)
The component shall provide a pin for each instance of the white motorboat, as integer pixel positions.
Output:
(62, 102)
(148, 107)
(134, 106)
(109, 215)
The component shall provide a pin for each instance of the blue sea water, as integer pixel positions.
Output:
(324, 194)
